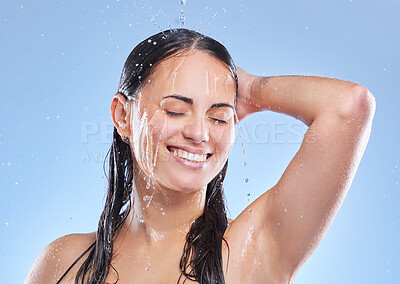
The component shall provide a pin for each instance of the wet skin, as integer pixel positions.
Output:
(271, 239)
(187, 104)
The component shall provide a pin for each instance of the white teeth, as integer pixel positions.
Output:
(184, 155)
(190, 156)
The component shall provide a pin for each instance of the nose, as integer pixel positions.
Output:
(196, 131)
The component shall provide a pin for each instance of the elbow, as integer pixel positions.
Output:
(360, 104)
(363, 99)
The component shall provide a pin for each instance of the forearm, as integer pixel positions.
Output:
(302, 97)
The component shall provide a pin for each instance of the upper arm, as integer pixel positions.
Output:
(306, 199)
(57, 257)
(292, 218)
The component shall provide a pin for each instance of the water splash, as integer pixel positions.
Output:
(158, 143)
(249, 241)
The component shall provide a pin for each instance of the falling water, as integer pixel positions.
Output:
(182, 16)
(241, 144)
(240, 135)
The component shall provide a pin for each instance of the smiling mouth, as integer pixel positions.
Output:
(188, 156)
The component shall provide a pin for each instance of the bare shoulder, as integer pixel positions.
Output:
(57, 257)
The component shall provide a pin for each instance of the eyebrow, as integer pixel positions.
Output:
(185, 99)
(190, 101)
(222, 105)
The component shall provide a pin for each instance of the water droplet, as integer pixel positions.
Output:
(182, 2)
(248, 194)
(251, 210)
(147, 268)
(244, 164)
(146, 197)
(246, 180)
(285, 210)
(301, 216)
(163, 213)
(149, 41)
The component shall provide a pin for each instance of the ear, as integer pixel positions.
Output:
(120, 114)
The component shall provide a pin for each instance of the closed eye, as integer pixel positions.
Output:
(219, 121)
(180, 114)
(174, 113)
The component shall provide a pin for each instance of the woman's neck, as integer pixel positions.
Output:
(159, 213)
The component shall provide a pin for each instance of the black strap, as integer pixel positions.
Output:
(66, 272)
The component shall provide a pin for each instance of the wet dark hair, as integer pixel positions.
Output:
(202, 253)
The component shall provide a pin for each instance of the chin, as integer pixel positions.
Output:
(187, 186)
(181, 182)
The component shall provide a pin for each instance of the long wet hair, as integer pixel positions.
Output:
(202, 253)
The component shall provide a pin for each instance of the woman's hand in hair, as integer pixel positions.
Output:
(245, 104)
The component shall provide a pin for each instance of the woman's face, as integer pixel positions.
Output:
(183, 121)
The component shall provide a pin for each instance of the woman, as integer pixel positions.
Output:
(164, 220)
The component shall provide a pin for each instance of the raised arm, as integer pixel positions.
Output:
(296, 213)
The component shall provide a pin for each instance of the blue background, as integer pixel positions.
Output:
(60, 67)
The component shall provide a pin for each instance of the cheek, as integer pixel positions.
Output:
(223, 139)
(170, 130)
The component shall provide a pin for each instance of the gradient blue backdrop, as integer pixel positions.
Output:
(60, 67)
